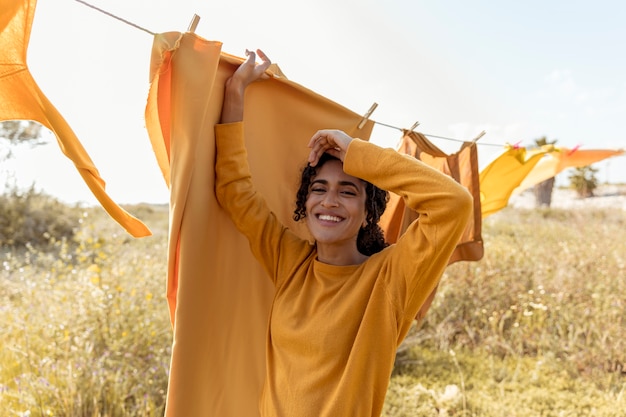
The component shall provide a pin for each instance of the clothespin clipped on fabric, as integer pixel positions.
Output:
(480, 135)
(367, 115)
(574, 149)
(194, 23)
(416, 124)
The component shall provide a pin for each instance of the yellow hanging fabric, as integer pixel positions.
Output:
(219, 296)
(21, 99)
(562, 158)
(503, 175)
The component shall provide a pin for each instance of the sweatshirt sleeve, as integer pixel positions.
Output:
(247, 209)
(414, 265)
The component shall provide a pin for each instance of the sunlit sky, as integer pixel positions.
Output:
(518, 70)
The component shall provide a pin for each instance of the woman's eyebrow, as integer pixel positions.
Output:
(348, 183)
(342, 183)
(323, 182)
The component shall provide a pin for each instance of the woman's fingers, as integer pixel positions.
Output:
(333, 142)
(249, 70)
(262, 66)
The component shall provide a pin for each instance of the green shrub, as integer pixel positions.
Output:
(32, 217)
(584, 180)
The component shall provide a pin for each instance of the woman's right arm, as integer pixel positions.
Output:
(233, 183)
(235, 87)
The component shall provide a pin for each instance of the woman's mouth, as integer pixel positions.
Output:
(329, 218)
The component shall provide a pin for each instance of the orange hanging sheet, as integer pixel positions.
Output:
(463, 167)
(560, 159)
(219, 297)
(21, 99)
(503, 175)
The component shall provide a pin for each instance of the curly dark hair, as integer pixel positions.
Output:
(371, 238)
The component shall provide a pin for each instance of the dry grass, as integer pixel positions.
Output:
(84, 324)
(535, 328)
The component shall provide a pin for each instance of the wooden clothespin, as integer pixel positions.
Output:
(416, 124)
(480, 135)
(194, 23)
(367, 115)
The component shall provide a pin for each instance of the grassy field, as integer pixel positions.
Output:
(536, 328)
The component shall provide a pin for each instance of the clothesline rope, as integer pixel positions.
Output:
(379, 123)
(115, 17)
(438, 137)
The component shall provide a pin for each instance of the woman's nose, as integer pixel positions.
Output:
(330, 200)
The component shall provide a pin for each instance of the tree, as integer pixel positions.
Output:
(12, 134)
(19, 132)
(584, 181)
(543, 190)
(28, 216)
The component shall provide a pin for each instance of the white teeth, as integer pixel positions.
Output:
(329, 218)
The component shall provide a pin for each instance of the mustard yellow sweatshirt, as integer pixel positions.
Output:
(334, 330)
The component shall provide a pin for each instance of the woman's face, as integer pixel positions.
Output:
(335, 206)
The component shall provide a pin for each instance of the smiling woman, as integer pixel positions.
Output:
(330, 198)
(336, 212)
(337, 303)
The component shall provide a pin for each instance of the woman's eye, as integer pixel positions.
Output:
(317, 190)
(350, 193)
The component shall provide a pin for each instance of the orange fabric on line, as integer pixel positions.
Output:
(21, 99)
(503, 175)
(463, 167)
(560, 159)
(218, 295)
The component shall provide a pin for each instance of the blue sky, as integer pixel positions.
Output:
(518, 70)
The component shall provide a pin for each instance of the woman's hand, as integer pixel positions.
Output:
(333, 142)
(235, 87)
(249, 71)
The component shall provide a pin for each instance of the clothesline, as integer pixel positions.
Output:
(438, 137)
(195, 20)
(116, 17)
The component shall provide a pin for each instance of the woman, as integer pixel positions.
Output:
(343, 304)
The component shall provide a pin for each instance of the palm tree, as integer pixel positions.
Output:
(543, 190)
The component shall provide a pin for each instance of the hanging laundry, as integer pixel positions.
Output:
(503, 175)
(21, 99)
(560, 159)
(463, 167)
(219, 296)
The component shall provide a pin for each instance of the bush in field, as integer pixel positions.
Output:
(584, 180)
(31, 217)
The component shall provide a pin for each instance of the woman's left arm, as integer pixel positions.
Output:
(422, 253)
